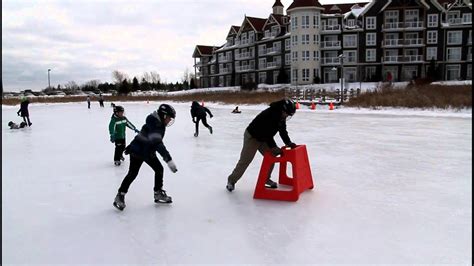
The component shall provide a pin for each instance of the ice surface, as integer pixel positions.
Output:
(389, 189)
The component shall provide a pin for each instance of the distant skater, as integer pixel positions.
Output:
(101, 100)
(23, 112)
(117, 125)
(143, 148)
(236, 110)
(198, 113)
(88, 102)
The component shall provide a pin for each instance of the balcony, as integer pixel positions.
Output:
(403, 59)
(331, 28)
(225, 59)
(399, 26)
(327, 45)
(244, 68)
(225, 71)
(330, 61)
(402, 42)
(243, 56)
(273, 50)
(273, 64)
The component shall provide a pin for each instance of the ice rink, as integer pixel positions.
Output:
(389, 188)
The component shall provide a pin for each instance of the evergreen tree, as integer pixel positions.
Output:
(124, 87)
(135, 85)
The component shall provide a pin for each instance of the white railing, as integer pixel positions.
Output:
(402, 25)
(455, 21)
(225, 59)
(393, 42)
(245, 55)
(414, 41)
(273, 64)
(273, 50)
(244, 68)
(225, 70)
(402, 58)
(330, 44)
(331, 28)
(330, 60)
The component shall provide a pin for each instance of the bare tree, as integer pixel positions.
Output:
(71, 85)
(186, 76)
(119, 76)
(147, 77)
(155, 77)
(92, 83)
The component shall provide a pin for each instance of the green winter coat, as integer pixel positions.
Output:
(117, 127)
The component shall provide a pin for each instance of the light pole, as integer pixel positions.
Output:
(341, 59)
(49, 82)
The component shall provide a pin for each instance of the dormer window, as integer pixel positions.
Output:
(267, 33)
(351, 22)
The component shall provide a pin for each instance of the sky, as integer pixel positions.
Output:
(87, 40)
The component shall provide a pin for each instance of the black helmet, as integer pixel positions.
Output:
(10, 123)
(166, 109)
(118, 108)
(289, 107)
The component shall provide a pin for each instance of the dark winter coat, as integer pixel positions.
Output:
(266, 124)
(150, 140)
(24, 108)
(198, 111)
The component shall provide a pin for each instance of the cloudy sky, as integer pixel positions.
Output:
(87, 40)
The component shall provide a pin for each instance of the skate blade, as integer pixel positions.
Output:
(165, 202)
(118, 207)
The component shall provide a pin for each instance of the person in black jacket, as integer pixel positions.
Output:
(23, 112)
(143, 148)
(198, 113)
(259, 136)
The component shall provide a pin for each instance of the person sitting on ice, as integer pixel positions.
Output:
(236, 110)
(117, 125)
(13, 125)
(143, 148)
(259, 137)
(198, 113)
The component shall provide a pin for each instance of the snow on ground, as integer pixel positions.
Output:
(391, 187)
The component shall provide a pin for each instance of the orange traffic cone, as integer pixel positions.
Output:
(313, 106)
(331, 106)
(297, 105)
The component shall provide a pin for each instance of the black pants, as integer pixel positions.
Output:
(119, 148)
(25, 118)
(135, 164)
(89, 105)
(101, 103)
(204, 122)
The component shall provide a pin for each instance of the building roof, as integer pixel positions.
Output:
(257, 23)
(304, 3)
(277, 3)
(341, 8)
(204, 50)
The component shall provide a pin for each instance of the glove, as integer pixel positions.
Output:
(137, 131)
(276, 151)
(211, 116)
(172, 166)
(292, 145)
(112, 139)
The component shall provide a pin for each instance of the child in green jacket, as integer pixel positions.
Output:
(117, 125)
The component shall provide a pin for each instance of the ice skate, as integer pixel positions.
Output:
(119, 201)
(161, 197)
(210, 129)
(196, 134)
(122, 158)
(271, 184)
(117, 163)
(230, 187)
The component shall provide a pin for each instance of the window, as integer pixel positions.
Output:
(469, 38)
(351, 22)
(454, 37)
(391, 16)
(275, 31)
(431, 53)
(454, 17)
(316, 20)
(294, 23)
(316, 39)
(316, 55)
(267, 33)
(262, 63)
(350, 41)
(262, 77)
(454, 54)
(432, 20)
(411, 15)
(294, 77)
(467, 18)
(469, 72)
(453, 72)
(287, 44)
(350, 56)
(305, 55)
(371, 39)
(251, 36)
(305, 39)
(370, 23)
(287, 59)
(370, 55)
(370, 73)
(294, 57)
(305, 22)
(305, 73)
(350, 74)
(262, 49)
(294, 40)
(432, 37)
